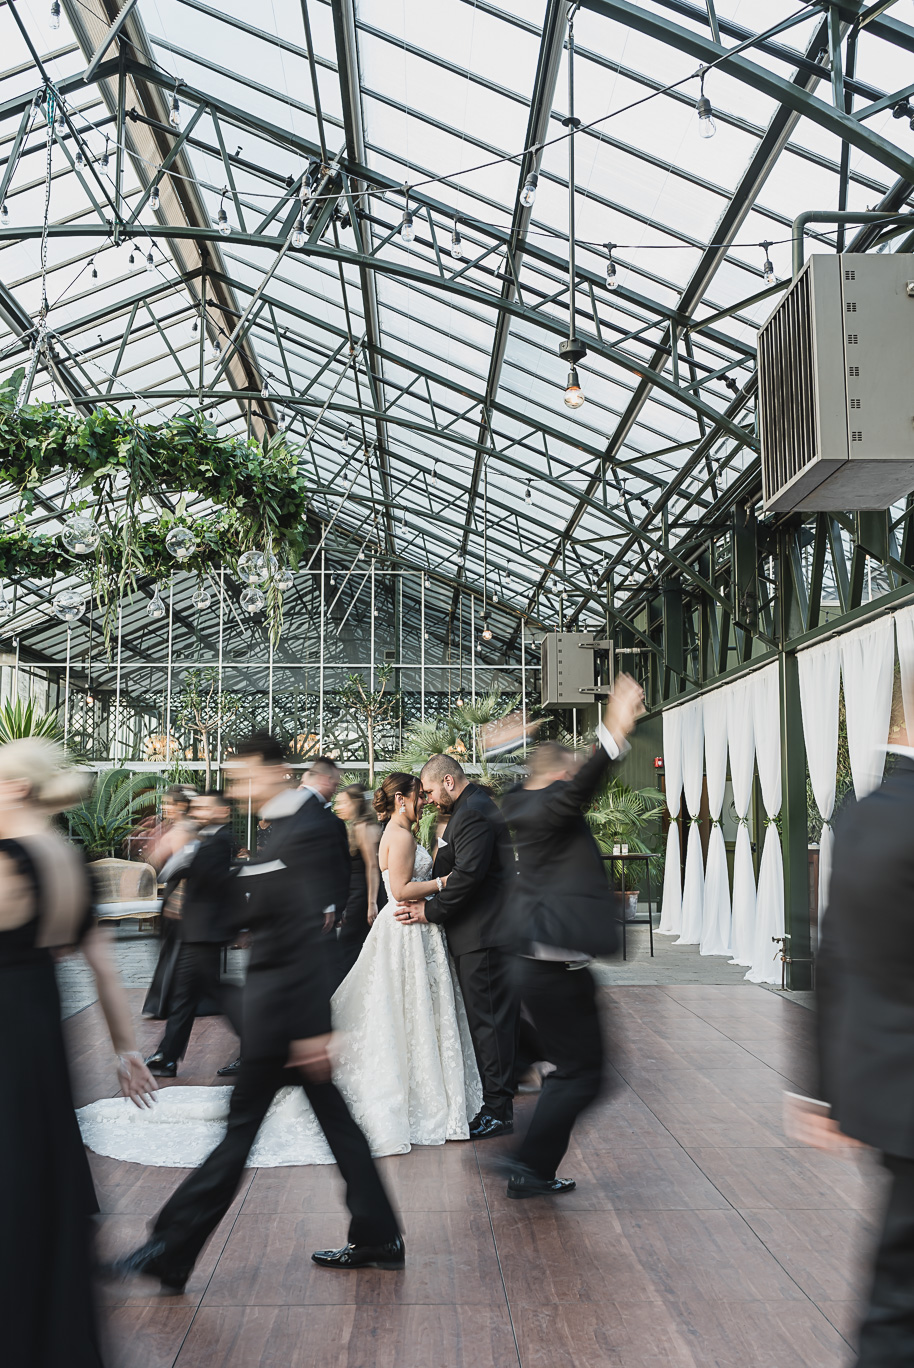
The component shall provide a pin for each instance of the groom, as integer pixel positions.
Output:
(476, 853)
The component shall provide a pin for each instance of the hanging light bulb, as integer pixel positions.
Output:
(60, 122)
(528, 493)
(4, 214)
(486, 632)
(195, 326)
(54, 18)
(222, 221)
(612, 279)
(155, 608)
(174, 114)
(456, 243)
(265, 388)
(104, 159)
(79, 158)
(528, 194)
(435, 473)
(201, 598)
(150, 261)
(298, 238)
(132, 261)
(459, 703)
(94, 269)
(574, 395)
(6, 608)
(767, 267)
(252, 600)
(706, 125)
(154, 197)
(407, 228)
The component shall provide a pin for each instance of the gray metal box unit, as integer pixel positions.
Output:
(567, 670)
(836, 387)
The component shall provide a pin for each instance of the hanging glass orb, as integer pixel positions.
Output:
(253, 599)
(68, 604)
(6, 607)
(155, 608)
(80, 535)
(252, 567)
(284, 579)
(181, 542)
(201, 598)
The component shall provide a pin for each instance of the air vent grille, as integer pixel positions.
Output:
(787, 401)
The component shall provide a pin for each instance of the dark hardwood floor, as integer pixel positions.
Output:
(698, 1236)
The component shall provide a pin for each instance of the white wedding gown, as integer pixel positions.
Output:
(404, 1062)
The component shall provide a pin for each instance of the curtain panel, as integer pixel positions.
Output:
(769, 918)
(715, 924)
(741, 743)
(693, 754)
(671, 905)
(820, 682)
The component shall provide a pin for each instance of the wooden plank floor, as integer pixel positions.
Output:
(698, 1235)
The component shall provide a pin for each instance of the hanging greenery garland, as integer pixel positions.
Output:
(259, 494)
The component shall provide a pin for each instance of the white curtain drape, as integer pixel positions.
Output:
(715, 924)
(769, 917)
(904, 628)
(868, 670)
(692, 775)
(820, 681)
(741, 741)
(671, 908)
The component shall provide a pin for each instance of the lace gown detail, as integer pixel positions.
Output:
(404, 1063)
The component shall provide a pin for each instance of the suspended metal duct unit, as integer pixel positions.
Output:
(836, 386)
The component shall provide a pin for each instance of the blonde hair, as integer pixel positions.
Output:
(54, 783)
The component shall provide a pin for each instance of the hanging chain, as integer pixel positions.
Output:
(40, 347)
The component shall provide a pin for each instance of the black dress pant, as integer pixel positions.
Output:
(563, 1005)
(887, 1333)
(189, 1217)
(492, 1012)
(196, 977)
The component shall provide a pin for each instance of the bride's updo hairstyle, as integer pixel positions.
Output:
(54, 783)
(385, 798)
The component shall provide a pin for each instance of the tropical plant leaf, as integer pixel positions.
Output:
(104, 820)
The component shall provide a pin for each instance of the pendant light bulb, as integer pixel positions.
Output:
(79, 158)
(574, 395)
(60, 122)
(222, 221)
(407, 229)
(150, 261)
(132, 260)
(94, 270)
(528, 194)
(154, 198)
(456, 243)
(706, 125)
(528, 493)
(486, 632)
(767, 267)
(54, 19)
(4, 214)
(612, 279)
(174, 114)
(104, 159)
(265, 388)
(298, 233)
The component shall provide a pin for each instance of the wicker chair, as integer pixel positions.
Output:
(125, 890)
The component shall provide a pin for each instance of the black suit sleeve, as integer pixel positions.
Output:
(564, 801)
(473, 846)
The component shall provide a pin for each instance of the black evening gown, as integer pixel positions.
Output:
(47, 1312)
(354, 926)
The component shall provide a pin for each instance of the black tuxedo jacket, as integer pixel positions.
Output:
(865, 970)
(303, 873)
(478, 856)
(562, 896)
(206, 914)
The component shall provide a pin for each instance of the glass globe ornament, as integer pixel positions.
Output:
(181, 542)
(68, 605)
(155, 608)
(253, 599)
(6, 607)
(201, 598)
(252, 567)
(284, 579)
(80, 536)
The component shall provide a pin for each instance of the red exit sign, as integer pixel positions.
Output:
(658, 762)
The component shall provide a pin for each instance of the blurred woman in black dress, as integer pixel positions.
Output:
(46, 1305)
(361, 908)
(165, 851)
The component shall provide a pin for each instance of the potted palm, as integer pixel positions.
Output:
(622, 816)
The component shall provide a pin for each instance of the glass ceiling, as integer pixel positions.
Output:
(427, 390)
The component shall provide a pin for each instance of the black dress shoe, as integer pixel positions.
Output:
(485, 1125)
(389, 1256)
(230, 1069)
(149, 1261)
(160, 1066)
(523, 1182)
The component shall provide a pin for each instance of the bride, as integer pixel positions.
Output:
(404, 1059)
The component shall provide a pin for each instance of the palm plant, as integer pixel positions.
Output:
(620, 815)
(18, 719)
(104, 820)
(458, 734)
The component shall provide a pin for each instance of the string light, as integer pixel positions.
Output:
(174, 114)
(60, 122)
(298, 233)
(105, 159)
(150, 260)
(574, 395)
(767, 267)
(265, 388)
(528, 194)
(706, 125)
(4, 214)
(407, 228)
(486, 632)
(528, 492)
(94, 269)
(612, 279)
(79, 158)
(54, 19)
(222, 221)
(132, 261)
(456, 243)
